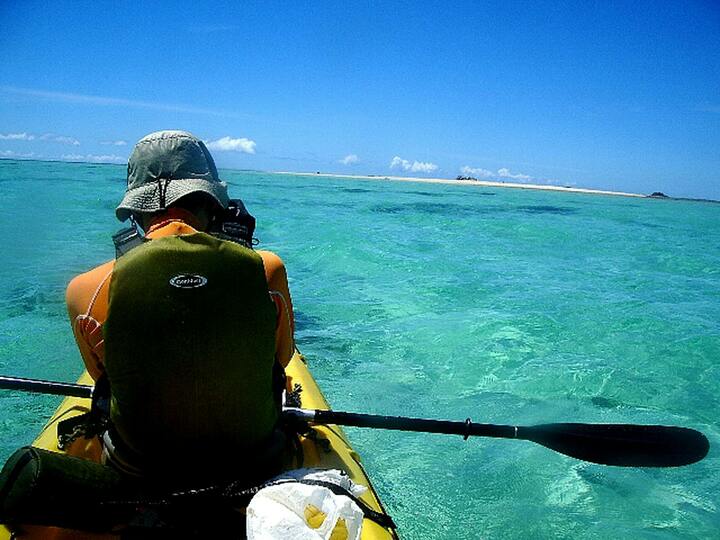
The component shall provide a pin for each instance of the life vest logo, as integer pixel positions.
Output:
(188, 281)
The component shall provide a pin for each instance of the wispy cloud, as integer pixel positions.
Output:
(349, 159)
(416, 166)
(66, 97)
(228, 144)
(17, 155)
(62, 139)
(94, 158)
(114, 143)
(17, 136)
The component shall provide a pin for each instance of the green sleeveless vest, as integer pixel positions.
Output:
(189, 348)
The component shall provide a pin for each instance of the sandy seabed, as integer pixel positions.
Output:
(481, 183)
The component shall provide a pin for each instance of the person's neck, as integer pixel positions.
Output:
(174, 214)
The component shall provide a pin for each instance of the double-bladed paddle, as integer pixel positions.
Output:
(623, 445)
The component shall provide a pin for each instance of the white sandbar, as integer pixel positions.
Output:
(481, 183)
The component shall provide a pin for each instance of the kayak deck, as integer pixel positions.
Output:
(328, 448)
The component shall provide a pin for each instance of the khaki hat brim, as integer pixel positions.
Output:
(145, 199)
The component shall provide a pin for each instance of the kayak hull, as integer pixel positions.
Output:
(326, 448)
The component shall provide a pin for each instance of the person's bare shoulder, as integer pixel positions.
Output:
(81, 288)
(273, 263)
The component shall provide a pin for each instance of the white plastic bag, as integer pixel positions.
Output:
(291, 509)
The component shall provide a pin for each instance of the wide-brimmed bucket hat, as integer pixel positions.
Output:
(165, 166)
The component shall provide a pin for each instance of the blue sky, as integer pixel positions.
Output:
(610, 95)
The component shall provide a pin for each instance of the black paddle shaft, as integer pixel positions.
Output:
(465, 429)
(45, 387)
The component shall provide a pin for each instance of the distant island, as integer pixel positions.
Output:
(468, 181)
(472, 181)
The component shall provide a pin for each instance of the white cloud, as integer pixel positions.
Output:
(94, 158)
(477, 172)
(501, 174)
(62, 139)
(114, 143)
(397, 161)
(415, 166)
(349, 159)
(13, 154)
(16, 136)
(423, 166)
(227, 144)
(505, 173)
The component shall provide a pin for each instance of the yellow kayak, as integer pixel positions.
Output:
(325, 447)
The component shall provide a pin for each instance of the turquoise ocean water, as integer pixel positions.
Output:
(508, 306)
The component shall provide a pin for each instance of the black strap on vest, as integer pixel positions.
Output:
(127, 239)
(235, 224)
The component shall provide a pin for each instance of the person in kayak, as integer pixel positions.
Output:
(190, 330)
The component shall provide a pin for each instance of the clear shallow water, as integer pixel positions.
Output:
(508, 306)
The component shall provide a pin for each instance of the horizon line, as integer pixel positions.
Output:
(429, 180)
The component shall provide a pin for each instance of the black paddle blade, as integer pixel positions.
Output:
(622, 445)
